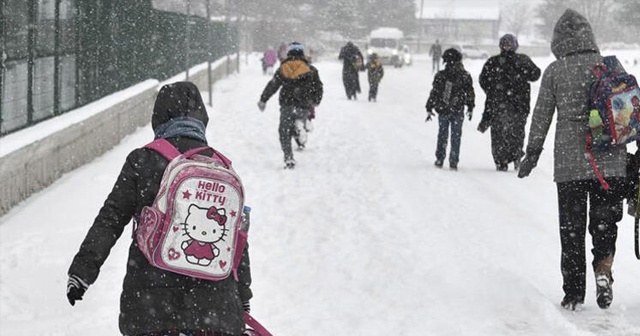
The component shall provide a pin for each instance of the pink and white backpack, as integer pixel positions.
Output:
(193, 226)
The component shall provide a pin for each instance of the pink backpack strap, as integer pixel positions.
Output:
(223, 158)
(594, 164)
(197, 150)
(255, 325)
(164, 147)
(170, 152)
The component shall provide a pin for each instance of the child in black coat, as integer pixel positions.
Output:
(155, 301)
(452, 89)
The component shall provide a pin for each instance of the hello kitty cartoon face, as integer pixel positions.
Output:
(206, 225)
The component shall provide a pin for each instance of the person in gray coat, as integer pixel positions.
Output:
(565, 88)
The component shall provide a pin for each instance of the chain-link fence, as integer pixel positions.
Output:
(58, 55)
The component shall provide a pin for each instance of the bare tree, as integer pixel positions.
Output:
(598, 12)
(629, 11)
(516, 17)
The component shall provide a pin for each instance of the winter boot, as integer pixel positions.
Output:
(572, 302)
(516, 164)
(604, 292)
(438, 163)
(502, 167)
(289, 164)
(453, 165)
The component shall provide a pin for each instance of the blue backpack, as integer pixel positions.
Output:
(614, 117)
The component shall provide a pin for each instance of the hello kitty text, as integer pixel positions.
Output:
(209, 191)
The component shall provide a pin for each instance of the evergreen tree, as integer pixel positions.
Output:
(342, 16)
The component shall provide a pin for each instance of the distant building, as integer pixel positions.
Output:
(471, 24)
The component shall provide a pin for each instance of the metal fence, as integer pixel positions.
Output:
(58, 55)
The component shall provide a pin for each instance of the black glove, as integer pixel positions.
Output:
(530, 161)
(75, 288)
(483, 126)
(246, 306)
(469, 114)
(429, 115)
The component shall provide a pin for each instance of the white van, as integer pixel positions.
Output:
(387, 42)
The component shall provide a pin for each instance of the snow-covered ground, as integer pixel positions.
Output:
(364, 237)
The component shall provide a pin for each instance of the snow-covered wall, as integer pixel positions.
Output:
(34, 158)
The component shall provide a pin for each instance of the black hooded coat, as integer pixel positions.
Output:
(352, 62)
(152, 299)
(505, 80)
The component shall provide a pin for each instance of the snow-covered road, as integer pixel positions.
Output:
(364, 237)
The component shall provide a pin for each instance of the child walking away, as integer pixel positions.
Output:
(301, 92)
(156, 298)
(375, 72)
(451, 91)
(269, 60)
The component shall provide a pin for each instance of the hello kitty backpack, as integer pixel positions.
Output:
(193, 226)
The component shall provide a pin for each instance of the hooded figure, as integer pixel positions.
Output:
(505, 80)
(352, 62)
(269, 60)
(508, 42)
(565, 89)
(153, 300)
(451, 91)
(375, 72)
(301, 91)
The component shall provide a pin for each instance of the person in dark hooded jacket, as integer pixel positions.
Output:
(505, 80)
(155, 301)
(451, 91)
(565, 88)
(352, 63)
(375, 72)
(301, 92)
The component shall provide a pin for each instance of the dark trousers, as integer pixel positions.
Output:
(604, 211)
(287, 129)
(373, 89)
(448, 121)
